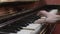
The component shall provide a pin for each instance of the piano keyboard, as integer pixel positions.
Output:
(30, 29)
(24, 26)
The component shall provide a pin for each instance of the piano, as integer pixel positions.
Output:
(20, 19)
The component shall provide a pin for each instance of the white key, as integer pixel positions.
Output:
(12, 33)
(25, 32)
(32, 26)
(30, 29)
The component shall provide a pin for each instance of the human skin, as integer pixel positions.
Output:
(50, 17)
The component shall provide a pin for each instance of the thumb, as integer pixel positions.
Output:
(54, 11)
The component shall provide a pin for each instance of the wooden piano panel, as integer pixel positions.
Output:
(24, 5)
(33, 5)
(57, 29)
(16, 0)
(52, 2)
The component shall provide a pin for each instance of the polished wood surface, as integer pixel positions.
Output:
(17, 0)
(48, 2)
(13, 7)
(52, 2)
(57, 29)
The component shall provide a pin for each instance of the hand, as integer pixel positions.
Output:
(51, 16)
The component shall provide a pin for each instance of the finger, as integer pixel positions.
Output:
(54, 11)
(51, 20)
(58, 17)
(43, 12)
(39, 21)
(43, 17)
